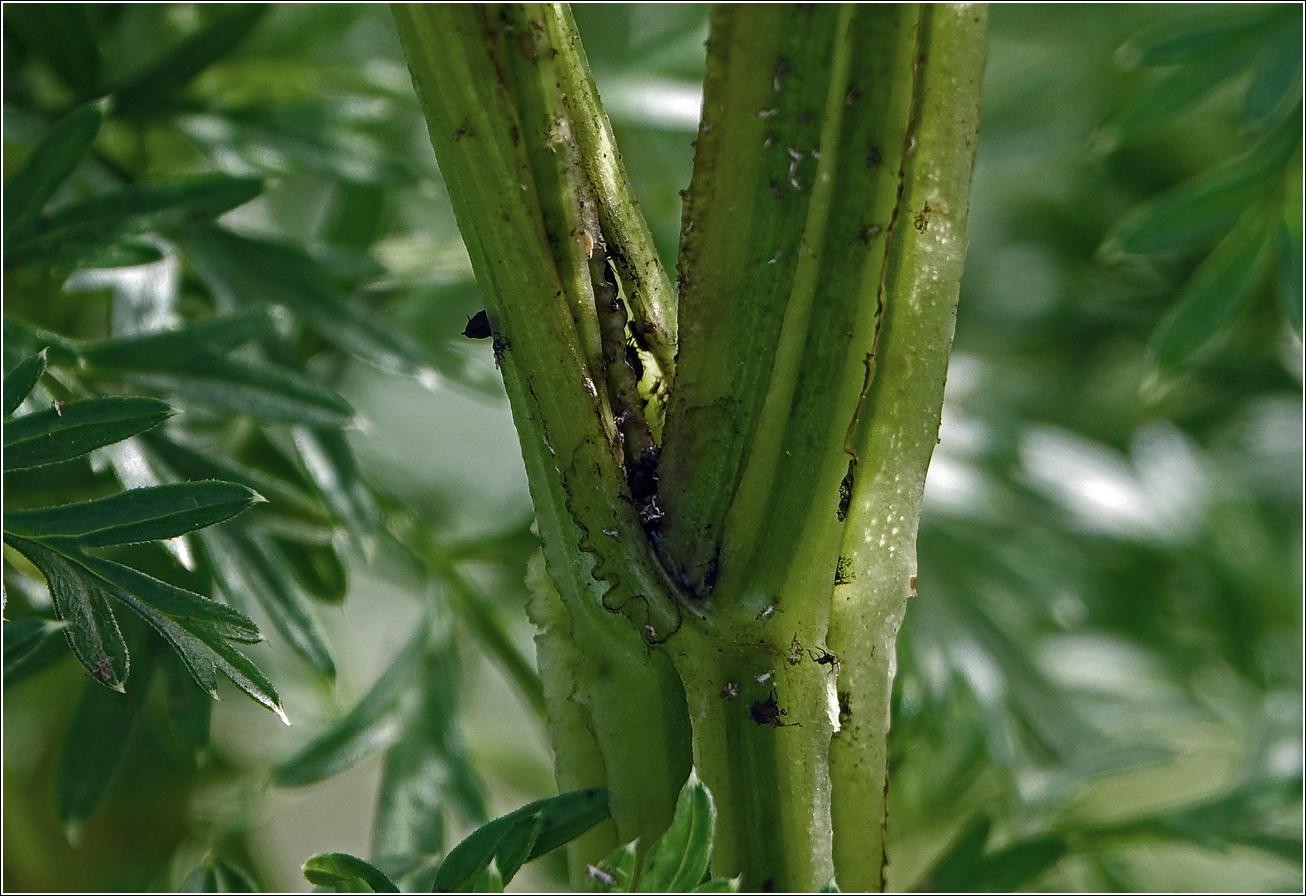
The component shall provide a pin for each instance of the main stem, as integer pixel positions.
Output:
(824, 234)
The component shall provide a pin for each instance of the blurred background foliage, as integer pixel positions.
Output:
(1100, 681)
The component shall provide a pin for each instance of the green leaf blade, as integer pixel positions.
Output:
(22, 380)
(136, 515)
(49, 165)
(63, 432)
(679, 860)
(344, 873)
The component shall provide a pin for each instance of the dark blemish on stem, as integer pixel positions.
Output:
(846, 491)
(782, 68)
(874, 157)
(922, 219)
(776, 190)
(843, 572)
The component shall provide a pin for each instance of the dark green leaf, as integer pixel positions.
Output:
(616, 873)
(565, 817)
(205, 653)
(249, 566)
(93, 748)
(49, 165)
(270, 393)
(1171, 91)
(318, 568)
(373, 724)
(168, 350)
(126, 253)
(67, 235)
(960, 865)
(61, 34)
(21, 380)
(140, 514)
(344, 873)
(1016, 866)
(150, 93)
(82, 602)
(78, 427)
(1217, 291)
(516, 845)
(679, 860)
(217, 875)
(186, 606)
(31, 645)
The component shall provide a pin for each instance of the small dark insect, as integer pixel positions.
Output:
(103, 669)
(501, 345)
(768, 712)
(795, 652)
(781, 69)
(804, 118)
(846, 492)
(826, 658)
(730, 691)
(478, 326)
(922, 220)
(852, 96)
(874, 156)
(777, 191)
(459, 134)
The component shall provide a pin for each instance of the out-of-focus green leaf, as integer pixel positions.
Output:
(140, 514)
(490, 881)
(960, 865)
(1288, 277)
(318, 568)
(731, 885)
(93, 748)
(249, 566)
(82, 602)
(167, 350)
(60, 352)
(427, 773)
(331, 465)
(373, 724)
(1191, 40)
(217, 875)
(1014, 867)
(190, 710)
(30, 645)
(151, 92)
(21, 380)
(1202, 205)
(616, 873)
(246, 269)
(190, 463)
(344, 873)
(1169, 92)
(1276, 71)
(49, 165)
(1218, 289)
(679, 860)
(66, 431)
(125, 253)
(564, 818)
(73, 231)
(61, 34)
(264, 391)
